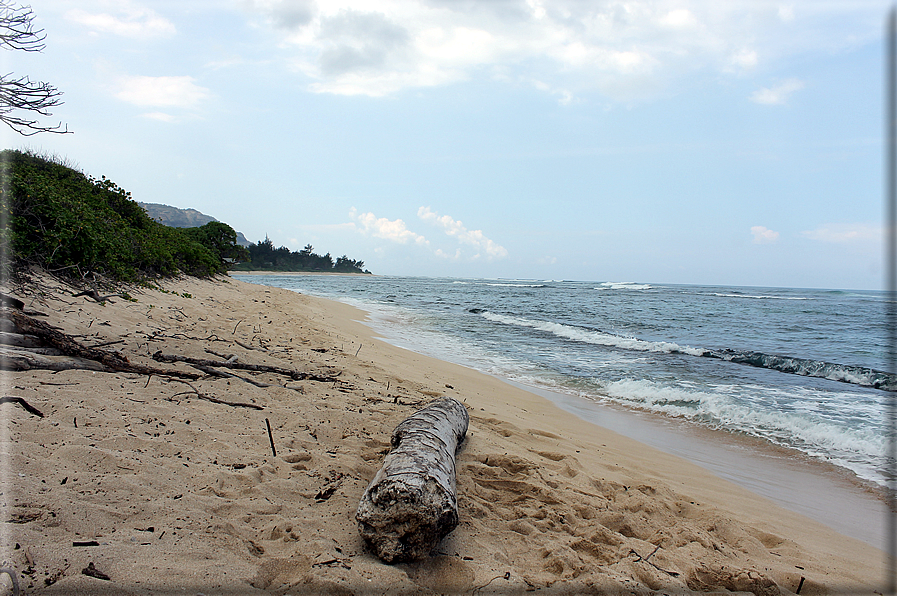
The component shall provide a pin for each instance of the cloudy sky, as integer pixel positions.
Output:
(665, 141)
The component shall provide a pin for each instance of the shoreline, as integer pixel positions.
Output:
(863, 523)
(826, 493)
(180, 492)
(790, 478)
(829, 494)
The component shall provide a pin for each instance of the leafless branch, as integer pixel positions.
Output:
(19, 93)
(16, 31)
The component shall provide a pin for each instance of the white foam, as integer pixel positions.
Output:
(515, 285)
(594, 337)
(718, 407)
(623, 285)
(760, 296)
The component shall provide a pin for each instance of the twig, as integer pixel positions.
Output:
(506, 576)
(21, 401)
(108, 343)
(93, 294)
(215, 400)
(645, 560)
(220, 373)
(271, 438)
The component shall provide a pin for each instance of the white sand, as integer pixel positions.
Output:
(184, 495)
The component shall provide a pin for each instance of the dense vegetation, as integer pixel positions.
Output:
(264, 257)
(57, 218)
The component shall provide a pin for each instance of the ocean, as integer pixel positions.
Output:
(799, 369)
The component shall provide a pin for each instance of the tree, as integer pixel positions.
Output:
(19, 93)
(221, 239)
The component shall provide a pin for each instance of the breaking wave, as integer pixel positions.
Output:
(591, 336)
(845, 373)
(623, 285)
(760, 296)
(855, 375)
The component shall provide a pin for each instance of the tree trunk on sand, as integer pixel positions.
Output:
(411, 504)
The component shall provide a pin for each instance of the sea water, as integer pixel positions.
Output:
(802, 369)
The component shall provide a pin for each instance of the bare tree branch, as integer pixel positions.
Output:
(16, 32)
(21, 93)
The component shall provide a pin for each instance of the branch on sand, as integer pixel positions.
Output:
(73, 355)
(214, 400)
(293, 374)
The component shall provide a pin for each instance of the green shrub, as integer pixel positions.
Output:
(57, 218)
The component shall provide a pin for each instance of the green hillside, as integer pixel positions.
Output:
(183, 218)
(71, 224)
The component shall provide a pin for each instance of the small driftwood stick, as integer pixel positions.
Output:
(411, 504)
(215, 400)
(224, 374)
(21, 401)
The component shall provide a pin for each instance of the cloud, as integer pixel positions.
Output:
(177, 92)
(764, 235)
(744, 58)
(845, 233)
(287, 14)
(786, 13)
(622, 50)
(160, 116)
(380, 227)
(777, 95)
(134, 22)
(456, 229)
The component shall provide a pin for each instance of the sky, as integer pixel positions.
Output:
(659, 141)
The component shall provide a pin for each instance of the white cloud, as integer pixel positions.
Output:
(133, 21)
(745, 58)
(845, 233)
(454, 257)
(456, 229)
(764, 235)
(620, 49)
(680, 18)
(178, 92)
(786, 13)
(160, 116)
(777, 95)
(380, 227)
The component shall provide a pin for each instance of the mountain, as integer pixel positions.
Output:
(183, 218)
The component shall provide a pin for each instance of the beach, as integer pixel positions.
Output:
(146, 480)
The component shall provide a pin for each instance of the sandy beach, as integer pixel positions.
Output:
(145, 480)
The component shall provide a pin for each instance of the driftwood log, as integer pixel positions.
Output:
(411, 503)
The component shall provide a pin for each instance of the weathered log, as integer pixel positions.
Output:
(8, 338)
(18, 360)
(411, 503)
(81, 356)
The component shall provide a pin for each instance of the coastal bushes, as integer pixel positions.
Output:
(56, 217)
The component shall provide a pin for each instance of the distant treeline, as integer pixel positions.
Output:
(77, 226)
(264, 257)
